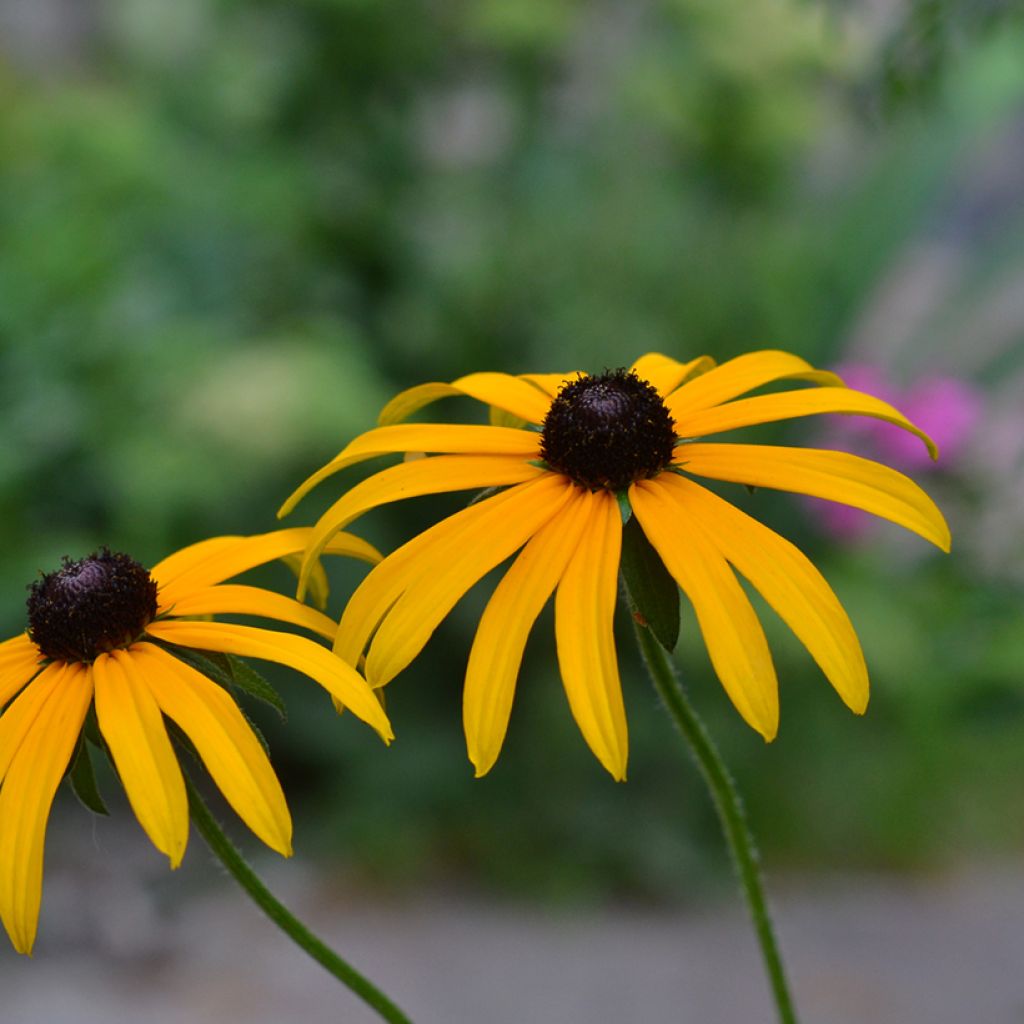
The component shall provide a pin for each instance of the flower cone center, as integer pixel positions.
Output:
(91, 606)
(608, 430)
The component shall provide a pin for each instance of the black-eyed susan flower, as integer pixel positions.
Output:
(567, 453)
(103, 631)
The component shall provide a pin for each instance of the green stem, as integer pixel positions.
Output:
(730, 811)
(229, 856)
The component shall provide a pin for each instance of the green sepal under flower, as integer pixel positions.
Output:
(82, 779)
(653, 593)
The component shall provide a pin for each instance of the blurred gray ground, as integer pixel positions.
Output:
(123, 940)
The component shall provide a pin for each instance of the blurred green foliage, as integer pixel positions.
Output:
(231, 230)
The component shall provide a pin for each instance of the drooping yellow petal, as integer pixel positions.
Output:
(133, 728)
(408, 480)
(505, 625)
(447, 571)
(410, 401)
(386, 582)
(441, 438)
(584, 614)
(737, 376)
(550, 383)
(26, 797)
(793, 404)
(233, 598)
(732, 633)
(244, 553)
(340, 680)
(223, 739)
(788, 581)
(317, 587)
(20, 660)
(18, 719)
(667, 374)
(836, 476)
(501, 390)
(173, 566)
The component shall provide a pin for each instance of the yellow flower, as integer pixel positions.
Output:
(104, 629)
(624, 434)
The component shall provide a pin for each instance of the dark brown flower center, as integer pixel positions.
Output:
(608, 430)
(91, 606)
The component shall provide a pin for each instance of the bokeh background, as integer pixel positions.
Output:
(230, 230)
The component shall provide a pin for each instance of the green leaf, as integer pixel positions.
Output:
(212, 664)
(232, 673)
(625, 509)
(83, 780)
(653, 593)
(249, 681)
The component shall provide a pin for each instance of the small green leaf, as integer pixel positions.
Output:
(212, 664)
(653, 593)
(249, 681)
(83, 780)
(625, 509)
(232, 673)
(257, 732)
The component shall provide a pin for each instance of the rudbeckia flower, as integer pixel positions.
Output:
(567, 453)
(104, 631)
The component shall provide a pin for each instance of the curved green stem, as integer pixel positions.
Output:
(229, 856)
(730, 811)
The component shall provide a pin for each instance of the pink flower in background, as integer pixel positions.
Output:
(944, 407)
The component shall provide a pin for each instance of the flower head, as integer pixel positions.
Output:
(104, 631)
(579, 448)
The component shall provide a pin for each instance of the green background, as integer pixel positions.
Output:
(230, 231)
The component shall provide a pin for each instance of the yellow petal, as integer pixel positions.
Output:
(792, 404)
(17, 720)
(233, 598)
(501, 390)
(223, 739)
(243, 553)
(15, 647)
(513, 394)
(584, 613)
(188, 558)
(25, 800)
(836, 476)
(732, 633)
(739, 375)
(447, 438)
(788, 581)
(550, 383)
(387, 581)
(667, 374)
(409, 480)
(305, 656)
(447, 571)
(410, 401)
(505, 625)
(20, 660)
(133, 728)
